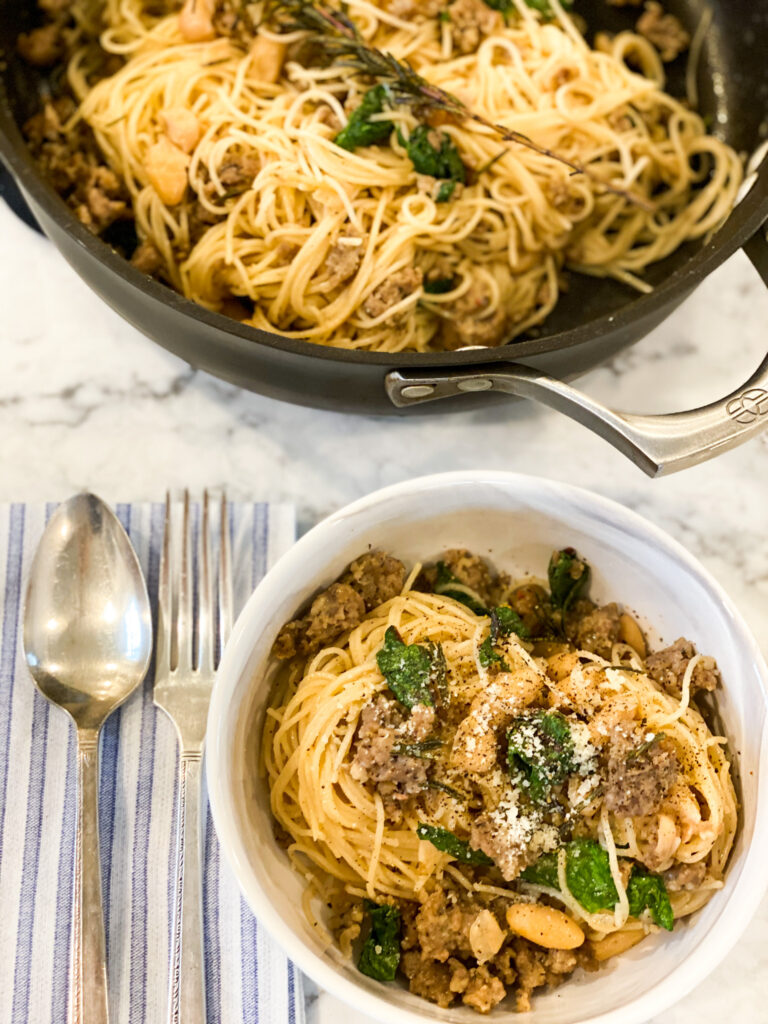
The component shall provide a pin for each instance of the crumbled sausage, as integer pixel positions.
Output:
(382, 724)
(685, 876)
(484, 990)
(664, 31)
(239, 170)
(429, 979)
(370, 580)
(469, 320)
(335, 611)
(536, 967)
(594, 629)
(638, 779)
(43, 46)
(376, 576)
(471, 20)
(389, 293)
(669, 665)
(344, 258)
(443, 927)
(470, 570)
(71, 161)
(147, 258)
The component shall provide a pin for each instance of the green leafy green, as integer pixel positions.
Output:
(407, 669)
(420, 748)
(438, 285)
(488, 656)
(647, 891)
(504, 620)
(360, 130)
(446, 190)
(447, 842)
(380, 955)
(587, 872)
(445, 585)
(568, 578)
(540, 752)
(426, 158)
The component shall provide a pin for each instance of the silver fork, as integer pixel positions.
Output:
(185, 663)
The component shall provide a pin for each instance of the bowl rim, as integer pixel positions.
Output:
(733, 919)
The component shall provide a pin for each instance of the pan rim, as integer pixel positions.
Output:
(742, 223)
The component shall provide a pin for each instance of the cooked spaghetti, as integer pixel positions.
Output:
(309, 198)
(498, 776)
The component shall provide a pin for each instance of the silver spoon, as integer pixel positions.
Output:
(88, 641)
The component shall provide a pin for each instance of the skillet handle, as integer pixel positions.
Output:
(657, 444)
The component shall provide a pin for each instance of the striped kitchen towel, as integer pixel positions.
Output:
(248, 977)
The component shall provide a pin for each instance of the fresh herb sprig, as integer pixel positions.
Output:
(333, 32)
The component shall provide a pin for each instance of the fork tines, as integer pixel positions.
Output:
(194, 604)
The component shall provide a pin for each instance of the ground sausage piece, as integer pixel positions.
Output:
(443, 927)
(468, 322)
(509, 857)
(664, 31)
(668, 667)
(594, 629)
(239, 170)
(376, 576)
(336, 610)
(75, 168)
(342, 262)
(393, 290)
(470, 21)
(484, 991)
(43, 46)
(437, 982)
(369, 581)
(470, 570)
(429, 979)
(147, 258)
(537, 967)
(685, 876)
(395, 776)
(637, 780)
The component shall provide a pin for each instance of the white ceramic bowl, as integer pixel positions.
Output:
(517, 521)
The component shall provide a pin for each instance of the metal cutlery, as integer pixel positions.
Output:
(88, 643)
(190, 636)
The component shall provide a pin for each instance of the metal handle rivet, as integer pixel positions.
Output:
(475, 384)
(417, 390)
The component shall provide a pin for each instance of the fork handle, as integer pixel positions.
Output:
(89, 958)
(187, 992)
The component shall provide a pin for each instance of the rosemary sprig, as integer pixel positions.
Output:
(335, 33)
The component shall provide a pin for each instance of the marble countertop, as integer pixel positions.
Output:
(87, 402)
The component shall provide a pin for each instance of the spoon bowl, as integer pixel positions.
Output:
(88, 642)
(87, 625)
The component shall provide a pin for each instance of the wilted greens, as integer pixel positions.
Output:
(380, 955)
(447, 842)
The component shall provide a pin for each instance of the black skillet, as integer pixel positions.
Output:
(593, 320)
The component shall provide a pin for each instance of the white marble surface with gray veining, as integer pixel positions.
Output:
(87, 402)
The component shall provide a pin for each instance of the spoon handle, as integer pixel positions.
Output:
(89, 968)
(187, 995)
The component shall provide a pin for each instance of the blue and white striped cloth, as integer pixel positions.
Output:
(249, 979)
